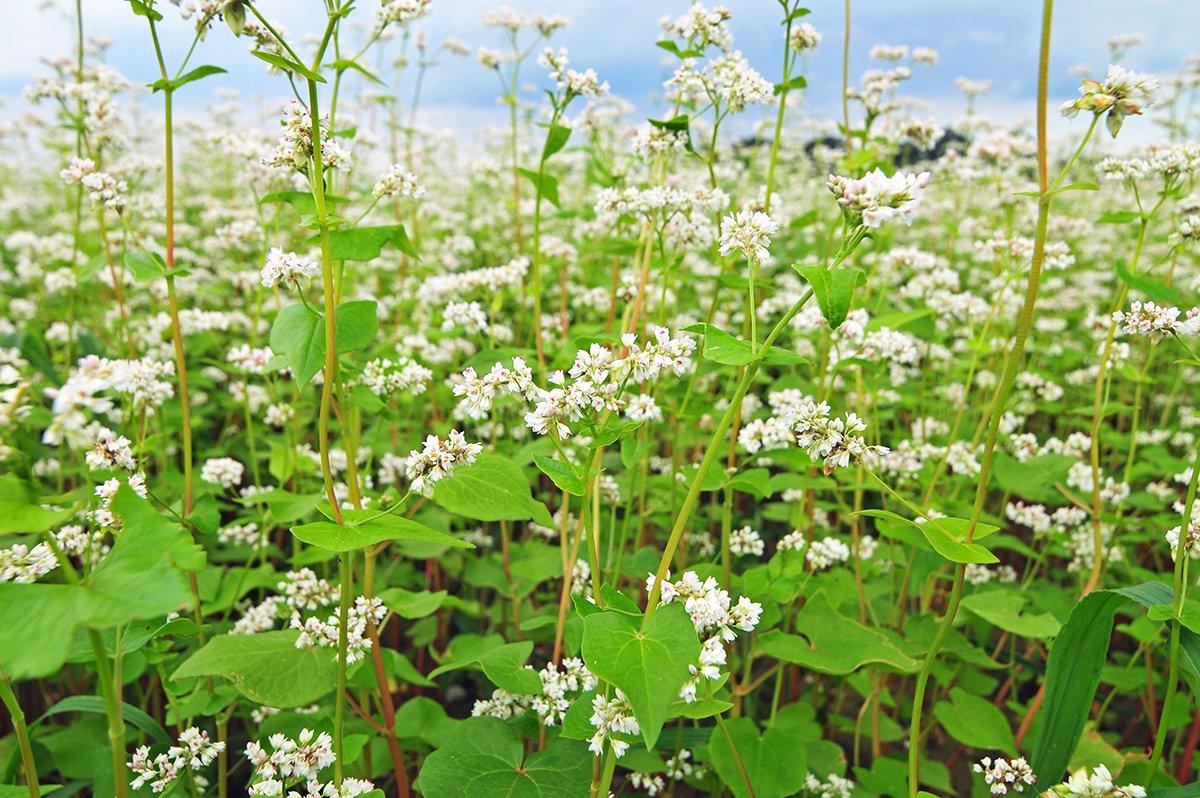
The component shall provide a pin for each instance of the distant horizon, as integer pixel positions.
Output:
(998, 44)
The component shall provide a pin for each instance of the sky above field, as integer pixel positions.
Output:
(994, 39)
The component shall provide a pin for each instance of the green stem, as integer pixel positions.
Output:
(18, 721)
(1011, 369)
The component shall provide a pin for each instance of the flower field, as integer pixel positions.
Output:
(724, 451)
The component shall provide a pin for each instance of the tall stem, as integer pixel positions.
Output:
(18, 721)
(1011, 368)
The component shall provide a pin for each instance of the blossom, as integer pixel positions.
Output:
(223, 471)
(287, 268)
(1002, 775)
(1122, 93)
(438, 459)
(748, 232)
(876, 198)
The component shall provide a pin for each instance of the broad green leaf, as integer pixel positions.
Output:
(721, 347)
(299, 334)
(371, 528)
(504, 664)
(1002, 608)
(484, 757)
(188, 77)
(829, 642)
(560, 474)
(20, 510)
(410, 604)
(648, 665)
(267, 667)
(492, 488)
(940, 537)
(283, 505)
(833, 289)
(1033, 479)
(545, 184)
(1161, 293)
(775, 765)
(556, 139)
(975, 721)
(366, 243)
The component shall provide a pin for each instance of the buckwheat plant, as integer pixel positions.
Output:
(681, 445)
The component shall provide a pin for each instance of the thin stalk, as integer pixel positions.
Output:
(1011, 369)
(18, 721)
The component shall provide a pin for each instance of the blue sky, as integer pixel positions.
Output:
(994, 39)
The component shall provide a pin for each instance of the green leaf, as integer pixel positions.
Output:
(265, 667)
(366, 243)
(1002, 608)
(774, 763)
(145, 266)
(830, 642)
(21, 512)
(940, 533)
(546, 185)
(287, 65)
(649, 665)
(721, 347)
(299, 334)
(798, 82)
(342, 64)
(484, 757)
(362, 528)
(975, 721)
(492, 488)
(142, 10)
(1073, 669)
(188, 77)
(556, 139)
(95, 704)
(833, 289)
(560, 474)
(1033, 479)
(412, 605)
(1161, 293)
(674, 49)
(1119, 217)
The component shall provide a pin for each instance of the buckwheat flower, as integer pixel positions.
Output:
(642, 407)
(972, 88)
(110, 450)
(1191, 546)
(401, 12)
(438, 459)
(925, 55)
(1002, 775)
(397, 182)
(252, 360)
(825, 553)
(748, 232)
(804, 38)
(1122, 93)
(285, 760)
(489, 58)
(583, 84)
(1147, 318)
(194, 751)
(1098, 784)
(223, 471)
(702, 26)
(243, 534)
(746, 541)
(547, 25)
(24, 564)
(610, 717)
(278, 415)
(287, 268)
(314, 632)
(875, 198)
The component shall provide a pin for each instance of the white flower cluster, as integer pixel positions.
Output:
(728, 81)
(1002, 775)
(385, 377)
(437, 288)
(287, 268)
(559, 685)
(832, 786)
(1122, 93)
(101, 187)
(438, 459)
(574, 83)
(23, 564)
(836, 441)
(1147, 318)
(746, 541)
(610, 717)
(294, 762)
(223, 471)
(715, 618)
(314, 632)
(1097, 784)
(1191, 546)
(294, 149)
(110, 450)
(195, 751)
(701, 27)
(804, 38)
(876, 198)
(398, 182)
(748, 232)
(662, 202)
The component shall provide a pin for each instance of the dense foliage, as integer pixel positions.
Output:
(726, 452)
